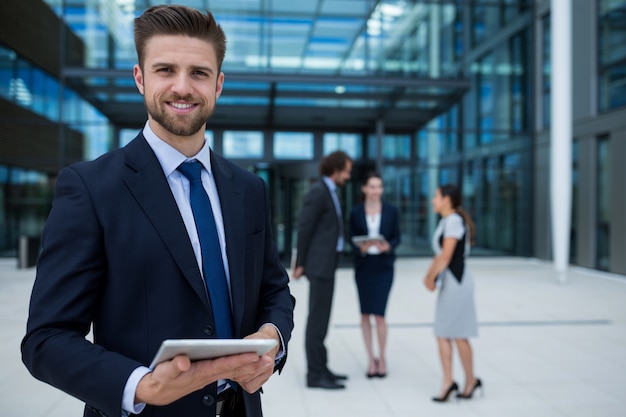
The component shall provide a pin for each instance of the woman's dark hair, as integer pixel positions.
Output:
(368, 176)
(333, 162)
(179, 20)
(454, 192)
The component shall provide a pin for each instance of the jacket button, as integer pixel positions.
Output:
(208, 400)
(208, 330)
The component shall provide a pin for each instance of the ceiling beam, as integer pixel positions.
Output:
(369, 80)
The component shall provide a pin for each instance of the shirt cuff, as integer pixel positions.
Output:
(281, 350)
(128, 398)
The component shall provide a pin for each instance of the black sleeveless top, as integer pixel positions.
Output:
(457, 263)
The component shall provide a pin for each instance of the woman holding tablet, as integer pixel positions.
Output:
(373, 264)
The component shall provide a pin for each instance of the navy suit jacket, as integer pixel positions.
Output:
(389, 228)
(116, 258)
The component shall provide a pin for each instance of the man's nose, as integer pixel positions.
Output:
(182, 84)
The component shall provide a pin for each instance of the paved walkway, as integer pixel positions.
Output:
(546, 348)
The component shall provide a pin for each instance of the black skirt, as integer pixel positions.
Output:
(374, 276)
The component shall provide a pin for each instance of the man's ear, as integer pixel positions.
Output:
(138, 76)
(219, 84)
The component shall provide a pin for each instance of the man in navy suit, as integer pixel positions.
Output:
(121, 253)
(320, 241)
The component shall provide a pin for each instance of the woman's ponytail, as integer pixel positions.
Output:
(469, 222)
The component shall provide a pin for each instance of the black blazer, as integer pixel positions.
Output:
(318, 233)
(389, 228)
(116, 257)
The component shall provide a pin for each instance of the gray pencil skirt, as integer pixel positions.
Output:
(455, 315)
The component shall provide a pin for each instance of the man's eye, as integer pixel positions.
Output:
(164, 70)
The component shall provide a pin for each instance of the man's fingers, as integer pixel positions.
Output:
(182, 363)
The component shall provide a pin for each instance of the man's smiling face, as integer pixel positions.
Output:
(180, 82)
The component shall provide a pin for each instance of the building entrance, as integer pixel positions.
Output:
(289, 184)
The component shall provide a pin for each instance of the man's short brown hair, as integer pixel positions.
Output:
(333, 162)
(179, 20)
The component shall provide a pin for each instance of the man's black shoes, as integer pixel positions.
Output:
(336, 377)
(324, 382)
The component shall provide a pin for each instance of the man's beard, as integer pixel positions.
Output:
(179, 125)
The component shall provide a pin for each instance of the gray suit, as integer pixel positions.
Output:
(318, 234)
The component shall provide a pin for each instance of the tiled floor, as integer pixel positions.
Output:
(548, 346)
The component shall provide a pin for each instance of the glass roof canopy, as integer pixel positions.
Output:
(290, 64)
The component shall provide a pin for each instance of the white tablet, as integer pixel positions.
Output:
(198, 349)
(365, 238)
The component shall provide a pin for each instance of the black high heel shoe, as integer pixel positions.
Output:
(477, 384)
(378, 373)
(375, 373)
(453, 387)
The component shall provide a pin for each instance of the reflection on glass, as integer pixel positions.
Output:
(501, 82)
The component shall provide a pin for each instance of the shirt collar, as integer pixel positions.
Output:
(169, 157)
(330, 183)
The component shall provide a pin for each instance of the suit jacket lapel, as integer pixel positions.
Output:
(362, 220)
(383, 219)
(150, 188)
(329, 194)
(231, 202)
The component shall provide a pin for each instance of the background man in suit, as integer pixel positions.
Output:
(121, 252)
(320, 241)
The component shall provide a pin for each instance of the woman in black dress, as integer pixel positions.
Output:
(373, 264)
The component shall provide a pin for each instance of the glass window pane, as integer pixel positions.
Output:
(350, 143)
(7, 62)
(603, 217)
(393, 147)
(546, 72)
(613, 87)
(238, 144)
(611, 54)
(293, 145)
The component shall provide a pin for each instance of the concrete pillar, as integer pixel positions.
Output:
(561, 133)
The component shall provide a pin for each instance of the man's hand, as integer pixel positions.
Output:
(178, 377)
(298, 272)
(253, 377)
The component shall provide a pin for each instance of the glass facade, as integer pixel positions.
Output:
(424, 92)
(26, 193)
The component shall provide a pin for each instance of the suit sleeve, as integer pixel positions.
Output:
(356, 227)
(311, 210)
(394, 220)
(70, 276)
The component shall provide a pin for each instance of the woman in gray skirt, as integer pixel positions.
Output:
(455, 316)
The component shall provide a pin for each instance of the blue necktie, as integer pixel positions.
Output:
(212, 264)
